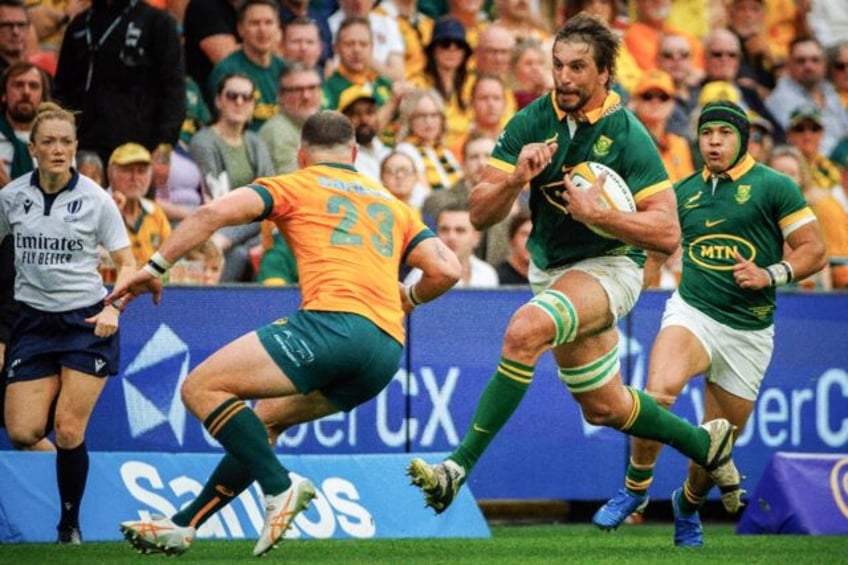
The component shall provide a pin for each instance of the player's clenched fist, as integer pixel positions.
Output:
(534, 157)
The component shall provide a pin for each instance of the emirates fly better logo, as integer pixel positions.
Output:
(152, 382)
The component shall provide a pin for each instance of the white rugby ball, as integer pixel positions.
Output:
(615, 194)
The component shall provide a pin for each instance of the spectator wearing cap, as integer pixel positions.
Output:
(447, 72)
(722, 54)
(760, 139)
(804, 82)
(258, 25)
(130, 173)
(387, 47)
(360, 106)
(298, 97)
(471, 14)
(355, 67)
(806, 128)
(653, 104)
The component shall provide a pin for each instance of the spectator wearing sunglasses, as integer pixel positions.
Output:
(804, 82)
(837, 69)
(447, 72)
(722, 56)
(229, 155)
(806, 128)
(653, 103)
(258, 25)
(675, 58)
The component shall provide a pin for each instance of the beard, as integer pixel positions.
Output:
(582, 98)
(365, 135)
(22, 113)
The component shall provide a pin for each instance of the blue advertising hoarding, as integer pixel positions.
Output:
(546, 450)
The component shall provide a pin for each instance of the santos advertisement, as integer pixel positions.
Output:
(546, 450)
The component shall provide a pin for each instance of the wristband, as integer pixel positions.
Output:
(779, 273)
(157, 266)
(410, 295)
(790, 273)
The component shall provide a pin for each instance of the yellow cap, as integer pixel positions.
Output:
(718, 90)
(654, 80)
(353, 93)
(129, 153)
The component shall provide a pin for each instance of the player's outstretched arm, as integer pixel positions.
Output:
(240, 206)
(492, 198)
(440, 270)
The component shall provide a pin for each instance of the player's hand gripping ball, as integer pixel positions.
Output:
(615, 194)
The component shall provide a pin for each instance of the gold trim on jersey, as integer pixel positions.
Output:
(744, 165)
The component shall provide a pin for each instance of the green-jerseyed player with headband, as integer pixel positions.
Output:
(583, 283)
(736, 216)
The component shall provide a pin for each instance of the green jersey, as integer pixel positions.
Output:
(611, 135)
(264, 79)
(340, 80)
(749, 209)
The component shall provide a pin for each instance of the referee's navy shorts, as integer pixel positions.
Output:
(44, 342)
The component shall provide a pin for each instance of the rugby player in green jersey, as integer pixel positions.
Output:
(736, 217)
(583, 282)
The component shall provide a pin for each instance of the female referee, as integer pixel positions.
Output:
(65, 342)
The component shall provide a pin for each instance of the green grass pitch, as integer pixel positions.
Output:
(520, 545)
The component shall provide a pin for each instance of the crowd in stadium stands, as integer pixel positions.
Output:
(210, 94)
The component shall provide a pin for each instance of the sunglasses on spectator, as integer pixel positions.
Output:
(801, 128)
(840, 65)
(234, 96)
(449, 43)
(675, 55)
(300, 89)
(651, 96)
(720, 54)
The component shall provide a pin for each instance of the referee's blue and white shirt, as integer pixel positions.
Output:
(56, 238)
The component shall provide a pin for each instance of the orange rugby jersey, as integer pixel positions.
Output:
(349, 236)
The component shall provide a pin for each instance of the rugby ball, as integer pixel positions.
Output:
(615, 194)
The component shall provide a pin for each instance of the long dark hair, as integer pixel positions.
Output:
(458, 80)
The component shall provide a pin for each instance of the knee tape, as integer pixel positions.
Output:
(591, 375)
(561, 311)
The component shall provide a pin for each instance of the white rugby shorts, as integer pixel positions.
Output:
(738, 358)
(620, 277)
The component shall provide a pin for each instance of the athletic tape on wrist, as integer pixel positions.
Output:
(157, 265)
(410, 295)
(779, 273)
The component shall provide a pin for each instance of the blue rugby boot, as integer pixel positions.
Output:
(687, 527)
(618, 508)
